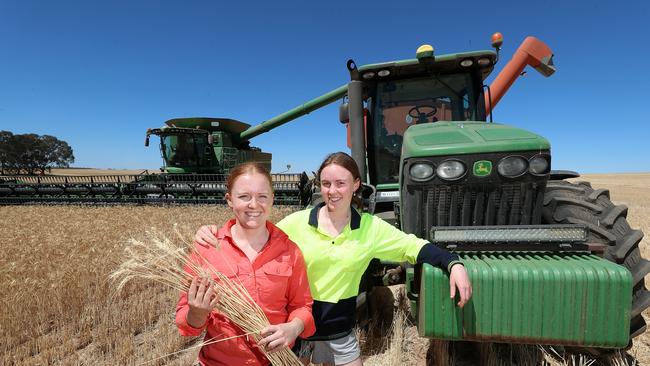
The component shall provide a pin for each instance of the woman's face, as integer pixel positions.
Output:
(337, 187)
(251, 200)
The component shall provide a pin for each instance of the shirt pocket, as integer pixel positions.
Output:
(228, 270)
(275, 281)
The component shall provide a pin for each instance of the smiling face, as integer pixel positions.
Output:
(337, 187)
(250, 199)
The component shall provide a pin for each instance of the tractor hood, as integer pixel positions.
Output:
(455, 138)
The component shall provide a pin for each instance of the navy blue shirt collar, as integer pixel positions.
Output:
(355, 220)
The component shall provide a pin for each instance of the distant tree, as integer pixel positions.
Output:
(32, 153)
(5, 136)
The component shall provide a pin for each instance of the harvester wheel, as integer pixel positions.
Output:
(579, 203)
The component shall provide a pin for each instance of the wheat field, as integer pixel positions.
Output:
(60, 309)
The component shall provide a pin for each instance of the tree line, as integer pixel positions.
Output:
(32, 154)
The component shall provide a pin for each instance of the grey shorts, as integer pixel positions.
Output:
(335, 351)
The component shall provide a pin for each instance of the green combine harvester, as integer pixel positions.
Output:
(198, 154)
(552, 262)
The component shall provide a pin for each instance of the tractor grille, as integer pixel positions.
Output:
(517, 203)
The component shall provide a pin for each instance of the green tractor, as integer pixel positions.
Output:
(552, 262)
(533, 242)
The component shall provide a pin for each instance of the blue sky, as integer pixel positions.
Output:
(99, 73)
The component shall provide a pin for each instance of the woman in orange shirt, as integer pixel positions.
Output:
(261, 257)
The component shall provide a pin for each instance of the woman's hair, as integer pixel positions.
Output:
(247, 168)
(346, 161)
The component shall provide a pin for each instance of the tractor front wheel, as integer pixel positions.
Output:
(579, 203)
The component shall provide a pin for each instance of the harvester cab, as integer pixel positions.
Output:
(198, 153)
(205, 145)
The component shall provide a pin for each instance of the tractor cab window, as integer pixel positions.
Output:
(400, 104)
(183, 150)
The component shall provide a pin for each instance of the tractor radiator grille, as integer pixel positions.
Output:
(467, 205)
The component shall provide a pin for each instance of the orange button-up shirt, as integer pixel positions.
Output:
(276, 280)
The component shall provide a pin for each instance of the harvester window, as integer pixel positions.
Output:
(183, 150)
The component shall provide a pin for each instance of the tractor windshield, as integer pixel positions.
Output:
(400, 104)
(183, 150)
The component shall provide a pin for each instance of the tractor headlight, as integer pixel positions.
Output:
(512, 166)
(421, 172)
(451, 170)
(538, 165)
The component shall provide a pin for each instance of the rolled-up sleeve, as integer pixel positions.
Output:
(300, 300)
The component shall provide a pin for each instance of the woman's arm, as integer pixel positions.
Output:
(300, 321)
(395, 245)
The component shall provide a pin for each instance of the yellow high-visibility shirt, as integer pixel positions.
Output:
(335, 265)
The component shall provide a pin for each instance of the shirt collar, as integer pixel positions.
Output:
(225, 231)
(355, 220)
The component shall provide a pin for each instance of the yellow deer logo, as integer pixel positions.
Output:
(482, 168)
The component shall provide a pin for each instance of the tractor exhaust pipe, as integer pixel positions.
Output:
(357, 133)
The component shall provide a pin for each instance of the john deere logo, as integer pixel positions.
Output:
(482, 168)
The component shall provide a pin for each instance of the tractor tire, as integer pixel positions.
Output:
(578, 203)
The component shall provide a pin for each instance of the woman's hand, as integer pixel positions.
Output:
(201, 299)
(207, 235)
(458, 278)
(279, 336)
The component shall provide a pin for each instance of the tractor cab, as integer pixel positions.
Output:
(425, 90)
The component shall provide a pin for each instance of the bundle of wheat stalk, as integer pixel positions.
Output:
(160, 259)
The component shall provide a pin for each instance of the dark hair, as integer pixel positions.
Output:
(246, 168)
(342, 159)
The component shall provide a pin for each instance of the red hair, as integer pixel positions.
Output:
(247, 168)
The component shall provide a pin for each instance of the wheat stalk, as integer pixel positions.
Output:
(160, 260)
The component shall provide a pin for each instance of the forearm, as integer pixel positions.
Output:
(196, 318)
(437, 256)
(184, 327)
(297, 325)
